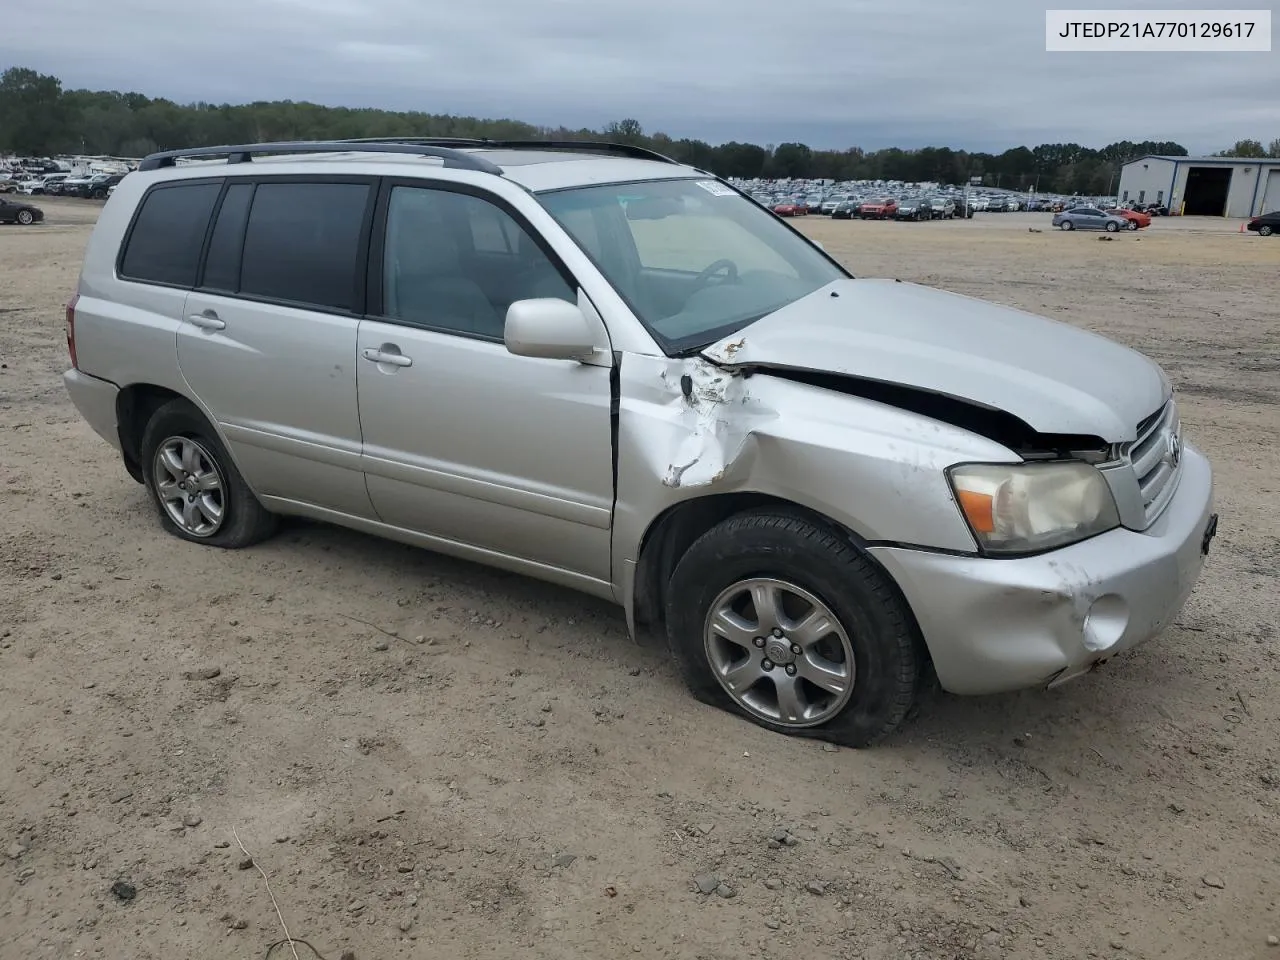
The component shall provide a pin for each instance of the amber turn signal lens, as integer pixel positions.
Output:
(978, 510)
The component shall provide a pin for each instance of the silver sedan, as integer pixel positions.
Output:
(1089, 218)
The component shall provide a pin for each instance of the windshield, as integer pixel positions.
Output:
(694, 260)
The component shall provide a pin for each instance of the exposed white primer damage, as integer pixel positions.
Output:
(713, 416)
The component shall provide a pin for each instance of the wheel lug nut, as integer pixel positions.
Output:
(795, 648)
(758, 641)
(766, 665)
(777, 632)
(791, 669)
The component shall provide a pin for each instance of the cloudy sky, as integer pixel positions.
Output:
(831, 73)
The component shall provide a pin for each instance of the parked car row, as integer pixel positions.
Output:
(877, 208)
(89, 187)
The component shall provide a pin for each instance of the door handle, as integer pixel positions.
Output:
(380, 356)
(207, 321)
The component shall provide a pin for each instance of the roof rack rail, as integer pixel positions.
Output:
(586, 146)
(243, 153)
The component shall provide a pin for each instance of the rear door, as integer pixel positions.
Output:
(268, 338)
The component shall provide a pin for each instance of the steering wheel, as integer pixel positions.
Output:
(728, 266)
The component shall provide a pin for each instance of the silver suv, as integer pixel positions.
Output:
(590, 364)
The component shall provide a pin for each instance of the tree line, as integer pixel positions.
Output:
(39, 118)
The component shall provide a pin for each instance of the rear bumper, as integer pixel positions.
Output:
(96, 401)
(996, 625)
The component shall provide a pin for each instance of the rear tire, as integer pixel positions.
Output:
(863, 644)
(194, 484)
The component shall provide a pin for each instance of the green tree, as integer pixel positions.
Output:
(33, 116)
(1252, 149)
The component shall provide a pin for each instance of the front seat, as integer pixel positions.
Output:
(425, 282)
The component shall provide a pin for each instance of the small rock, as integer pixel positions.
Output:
(1273, 941)
(239, 924)
(546, 706)
(405, 925)
(191, 821)
(816, 887)
(772, 924)
(348, 955)
(991, 936)
(123, 890)
(1210, 880)
(705, 828)
(1177, 807)
(245, 864)
(204, 673)
(829, 748)
(1117, 945)
(121, 796)
(406, 867)
(726, 892)
(355, 906)
(283, 838)
(1024, 901)
(221, 845)
(381, 645)
(706, 882)
(773, 883)
(774, 844)
(564, 859)
(16, 849)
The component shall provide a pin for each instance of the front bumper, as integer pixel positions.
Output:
(995, 625)
(96, 401)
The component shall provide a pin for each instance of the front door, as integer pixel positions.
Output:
(268, 339)
(503, 456)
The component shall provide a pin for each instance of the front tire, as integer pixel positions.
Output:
(26, 218)
(195, 485)
(779, 620)
(1112, 227)
(1068, 225)
(1264, 231)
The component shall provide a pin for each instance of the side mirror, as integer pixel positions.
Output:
(551, 329)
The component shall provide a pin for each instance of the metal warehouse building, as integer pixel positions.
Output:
(1204, 186)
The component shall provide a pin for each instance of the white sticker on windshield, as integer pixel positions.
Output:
(715, 189)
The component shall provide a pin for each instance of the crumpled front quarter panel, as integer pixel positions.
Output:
(873, 468)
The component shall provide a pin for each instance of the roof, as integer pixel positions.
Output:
(1251, 161)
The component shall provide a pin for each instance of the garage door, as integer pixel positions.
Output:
(1271, 199)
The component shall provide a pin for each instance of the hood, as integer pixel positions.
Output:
(1056, 378)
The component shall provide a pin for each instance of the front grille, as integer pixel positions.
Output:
(1156, 458)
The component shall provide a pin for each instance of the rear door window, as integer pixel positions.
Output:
(164, 243)
(302, 244)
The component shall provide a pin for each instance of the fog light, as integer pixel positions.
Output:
(1106, 622)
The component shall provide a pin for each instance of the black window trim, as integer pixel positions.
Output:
(137, 213)
(359, 292)
(377, 248)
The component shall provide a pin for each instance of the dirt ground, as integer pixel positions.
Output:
(430, 759)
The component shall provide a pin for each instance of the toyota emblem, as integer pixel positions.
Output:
(1175, 449)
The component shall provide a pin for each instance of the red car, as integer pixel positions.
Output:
(878, 210)
(1136, 218)
(791, 208)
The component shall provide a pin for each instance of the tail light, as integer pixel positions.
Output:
(71, 329)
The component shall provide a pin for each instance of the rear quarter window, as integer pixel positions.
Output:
(164, 244)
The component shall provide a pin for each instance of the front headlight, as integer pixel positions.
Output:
(1015, 508)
